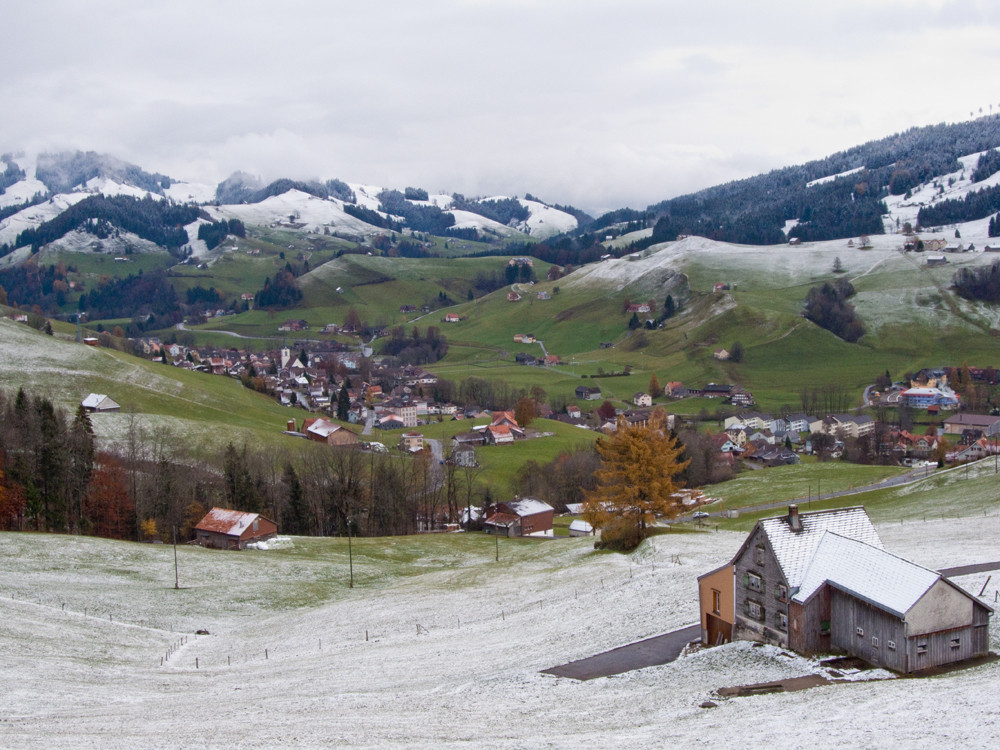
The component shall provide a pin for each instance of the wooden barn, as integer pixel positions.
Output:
(233, 529)
(520, 517)
(823, 582)
(98, 402)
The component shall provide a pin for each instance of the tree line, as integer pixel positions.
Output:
(158, 221)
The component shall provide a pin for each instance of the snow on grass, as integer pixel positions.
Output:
(833, 177)
(33, 216)
(367, 195)
(546, 221)
(190, 192)
(295, 207)
(108, 187)
(454, 645)
(22, 191)
(468, 219)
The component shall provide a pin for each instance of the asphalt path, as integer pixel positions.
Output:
(652, 652)
(964, 570)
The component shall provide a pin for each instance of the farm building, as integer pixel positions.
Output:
(233, 529)
(324, 431)
(98, 402)
(520, 517)
(823, 582)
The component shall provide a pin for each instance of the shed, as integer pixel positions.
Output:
(98, 402)
(233, 529)
(579, 527)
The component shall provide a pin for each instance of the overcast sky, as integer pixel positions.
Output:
(597, 104)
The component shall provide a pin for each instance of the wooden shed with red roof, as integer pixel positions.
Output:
(233, 529)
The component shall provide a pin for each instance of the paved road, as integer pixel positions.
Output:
(964, 570)
(660, 649)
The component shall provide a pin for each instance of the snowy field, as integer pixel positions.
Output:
(454, 645)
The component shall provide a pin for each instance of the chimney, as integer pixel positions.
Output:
(794, 521)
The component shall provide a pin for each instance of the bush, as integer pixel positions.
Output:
(622, 534)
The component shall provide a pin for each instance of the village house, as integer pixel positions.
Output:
(452, 318)
(233, 529)
(463, 454)
(823, 582)
(412, 442)
(642, 399)
(520, 517)
(588, 393)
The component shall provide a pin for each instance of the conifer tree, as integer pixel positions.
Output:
(637, 480)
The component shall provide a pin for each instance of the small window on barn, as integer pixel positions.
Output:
(921, 648)
(891, 645)
(716, 601)
(860, 632)
(759, 554)
(956, 642)
(755, 582)
(874, 641)
(824, 627)
(781, 620)
(754, 609)
(781, 592)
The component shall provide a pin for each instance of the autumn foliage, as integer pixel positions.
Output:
(637, 481)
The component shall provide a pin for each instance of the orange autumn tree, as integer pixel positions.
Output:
(637, 481)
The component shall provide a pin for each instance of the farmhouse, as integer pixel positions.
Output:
(233, 529)
(588, 393)
(520, 517)
(821, 582)
(98, 402)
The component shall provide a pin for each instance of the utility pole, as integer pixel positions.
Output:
(177, 582)
(496, 540)
(350, 553)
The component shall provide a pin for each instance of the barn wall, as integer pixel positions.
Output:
(865, 631)
(943, 606)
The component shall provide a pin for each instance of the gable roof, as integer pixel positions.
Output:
(222, 521)
(866, 572)
(527, 506)
(794, 549)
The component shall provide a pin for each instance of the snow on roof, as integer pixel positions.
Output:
(224, 521)
(580, 525)
(93, 400)
(323, 428)
(869, 573)
(795, 549)
(527, 506)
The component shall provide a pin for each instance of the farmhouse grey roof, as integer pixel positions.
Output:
(527, 506)
(866, 572)
(794, 549)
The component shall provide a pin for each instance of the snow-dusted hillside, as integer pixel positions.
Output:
(546, 221)
(445, 656)
(31, 217)
(296, 209)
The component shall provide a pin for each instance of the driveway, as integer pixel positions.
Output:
(660, 649)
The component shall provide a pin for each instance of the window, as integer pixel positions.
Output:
(755, 582)
(781, 592)
(921, 648)
(860, 632)
(758, 555)
(956, 642)
(716, 601)
(874, 641)
(755, 610)
(824, 627)
(781, 620)
(891, 645)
